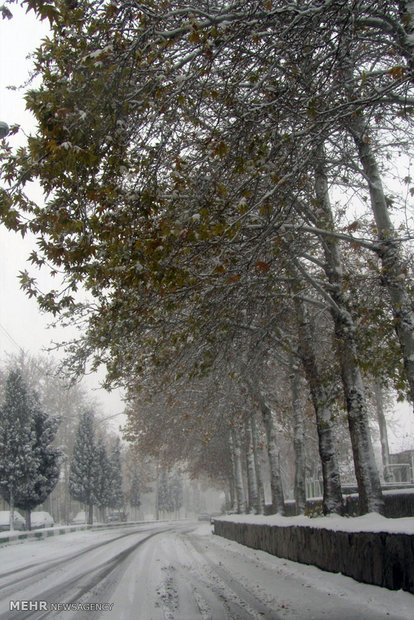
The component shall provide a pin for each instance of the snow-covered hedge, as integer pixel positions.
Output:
(371, 549)
(398, 503)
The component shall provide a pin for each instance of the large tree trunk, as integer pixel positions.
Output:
(382, 424)
(332, 493)
(239, 483)
(229, 495)
(90, 514)
(28, 516)
(11, 510)
(298, 437)
(251, 471)
(366, 472)
(157, 505)
(258, 466)
(233, 469)
(278, 499)
(405, 42)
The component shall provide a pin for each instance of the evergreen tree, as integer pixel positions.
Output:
(176, 492)
(54, 396)
(163, 495)
(116, 499)
(46, 463)
(135, 490)
(17, 458)
(84, 469)
(103, 489)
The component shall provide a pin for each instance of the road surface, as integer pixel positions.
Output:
(176, 571)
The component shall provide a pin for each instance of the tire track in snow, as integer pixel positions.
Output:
(195, 587)
(167, 594)
(82, 583)
(52, 565)
(240, 602)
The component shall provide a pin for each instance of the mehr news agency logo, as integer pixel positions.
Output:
(30, 605)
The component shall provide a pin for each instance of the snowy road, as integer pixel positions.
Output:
(176, 571)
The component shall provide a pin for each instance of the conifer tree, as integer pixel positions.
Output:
(176, 492)
(116, 497)
(46, 463)
(163, 499)
(103, 489)
(135, 490)
(17, 459)
(84, 469)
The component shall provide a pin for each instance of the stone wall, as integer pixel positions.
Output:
(377, 558)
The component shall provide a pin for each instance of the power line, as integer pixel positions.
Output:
(11, 338)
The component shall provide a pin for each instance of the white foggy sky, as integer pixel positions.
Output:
(21, 323)
(20, 316)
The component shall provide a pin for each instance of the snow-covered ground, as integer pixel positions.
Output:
(180, 571)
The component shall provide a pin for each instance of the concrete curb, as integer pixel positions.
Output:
(58, 531)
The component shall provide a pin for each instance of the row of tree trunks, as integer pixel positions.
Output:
(254, 499)
(365, 468)
(276, 487)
